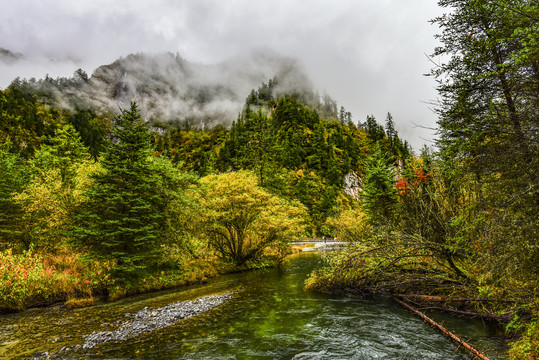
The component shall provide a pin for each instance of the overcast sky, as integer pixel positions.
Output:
(369, 55)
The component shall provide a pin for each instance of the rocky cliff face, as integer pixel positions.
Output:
(353, 185)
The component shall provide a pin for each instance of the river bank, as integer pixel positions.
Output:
(34, 279)
(143, 321)
(270, 315)
(416, 280)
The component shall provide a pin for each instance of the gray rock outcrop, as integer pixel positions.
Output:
(353, 185)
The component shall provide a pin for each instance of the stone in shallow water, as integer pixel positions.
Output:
(145, 321)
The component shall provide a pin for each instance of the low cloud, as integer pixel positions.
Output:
(369, 55)
(169, 88)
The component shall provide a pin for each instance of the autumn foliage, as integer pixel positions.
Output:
(31, 278)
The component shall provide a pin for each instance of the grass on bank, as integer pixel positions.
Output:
(32, 278)
(37, 279)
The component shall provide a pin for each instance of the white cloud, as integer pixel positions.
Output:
(368, 54)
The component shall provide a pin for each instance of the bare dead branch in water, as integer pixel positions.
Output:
(442, 329)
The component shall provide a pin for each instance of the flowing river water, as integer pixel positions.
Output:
(270, 316)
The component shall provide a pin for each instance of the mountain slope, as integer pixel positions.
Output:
(170, 88)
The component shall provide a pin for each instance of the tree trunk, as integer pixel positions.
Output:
(443, 330)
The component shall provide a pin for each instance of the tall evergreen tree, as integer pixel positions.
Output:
(123, 217)
(390, 128)
(375, 130)
(260, 147)
(342, 115)
(92, 129)
(379, 193)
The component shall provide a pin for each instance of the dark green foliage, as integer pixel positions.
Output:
(191, 149)
(259, 147)
(62, 151)
(123, 218)
(92, 128)
(375, 130)
(24, 120)
(379, 194)
(14, 177)
(294, 153)
(397, 150)
(390, 128)
(489, 117)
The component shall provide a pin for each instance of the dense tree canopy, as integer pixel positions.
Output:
(489, 91)
(122, 219)
(15, 175)
(242, 220)
(379, 195)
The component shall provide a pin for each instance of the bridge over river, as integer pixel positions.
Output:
(321, 244)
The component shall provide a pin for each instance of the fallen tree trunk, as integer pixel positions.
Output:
(443, 330)
(472, 314)
(429, 298)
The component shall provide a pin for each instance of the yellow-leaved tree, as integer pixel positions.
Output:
(60, 172)
(351, 224)
(243, 222)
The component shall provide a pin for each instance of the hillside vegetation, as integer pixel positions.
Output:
(185, 184)
(95, 203)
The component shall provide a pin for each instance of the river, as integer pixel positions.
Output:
(269, 317)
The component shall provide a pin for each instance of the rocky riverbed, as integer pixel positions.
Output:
(143, 321)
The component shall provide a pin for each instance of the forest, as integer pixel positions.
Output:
(100, 204)
(97, 204)
(459, 228)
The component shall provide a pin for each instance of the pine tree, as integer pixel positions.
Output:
(92, 128)
(342, 115)
(375, 130)
(379, 194)
(390, 128)
(260, 148)
(123, 217)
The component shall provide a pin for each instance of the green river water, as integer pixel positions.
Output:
(270, 317)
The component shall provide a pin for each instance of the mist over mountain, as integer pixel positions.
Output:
(9, 57)
(169, 88)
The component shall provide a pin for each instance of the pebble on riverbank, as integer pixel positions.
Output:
(145, 321)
